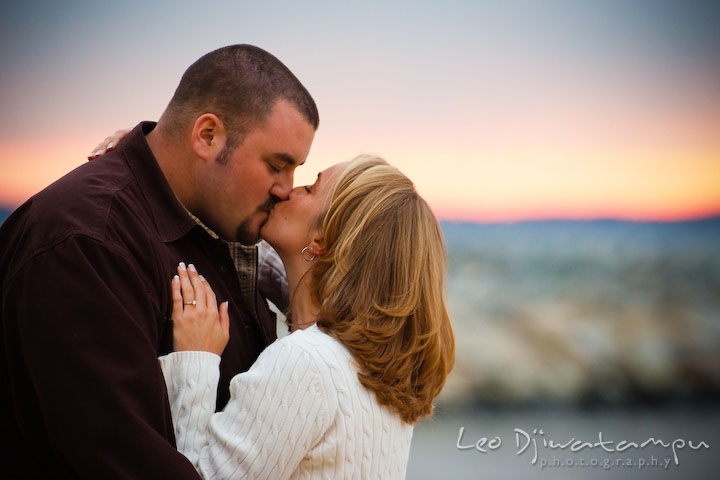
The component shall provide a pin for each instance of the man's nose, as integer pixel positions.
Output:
(283, 189)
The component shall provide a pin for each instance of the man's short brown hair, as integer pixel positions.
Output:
(240, 84)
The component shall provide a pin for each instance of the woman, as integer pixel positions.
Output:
(371, 346)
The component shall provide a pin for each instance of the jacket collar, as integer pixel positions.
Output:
(171, 218)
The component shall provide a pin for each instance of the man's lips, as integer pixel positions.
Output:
(267, 213)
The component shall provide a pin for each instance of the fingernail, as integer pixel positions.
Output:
(191, 267)
(176, 279)
(181, 265)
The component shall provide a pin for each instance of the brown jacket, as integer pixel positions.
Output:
(85, 269)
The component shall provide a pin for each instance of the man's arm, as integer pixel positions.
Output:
(88, 328)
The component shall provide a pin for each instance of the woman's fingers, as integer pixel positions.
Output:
(202, 325)
(176, 298)
(209, 295)
(95, 153)
(225, 320)
(193, 287)
(103, 147)
(108, 144)
(223, 315)
(198, 289)
(186, 288)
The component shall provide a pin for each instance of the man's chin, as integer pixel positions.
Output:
(248, 236)
(249, 242)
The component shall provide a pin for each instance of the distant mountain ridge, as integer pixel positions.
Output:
(590, 221)
(5, 212)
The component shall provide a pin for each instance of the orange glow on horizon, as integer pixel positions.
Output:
(27, 168)
(486, 186)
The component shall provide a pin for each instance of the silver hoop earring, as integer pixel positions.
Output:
(303, 254)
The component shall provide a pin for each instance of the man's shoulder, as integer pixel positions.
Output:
(86, 195)
(87, 201)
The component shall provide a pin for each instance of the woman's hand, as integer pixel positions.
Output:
(108, 144)
(198, 324)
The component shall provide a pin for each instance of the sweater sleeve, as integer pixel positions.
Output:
(191, 378)
(278, 410)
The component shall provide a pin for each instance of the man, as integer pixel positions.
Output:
(85, 269)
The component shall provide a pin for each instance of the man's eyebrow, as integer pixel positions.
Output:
(285, 157)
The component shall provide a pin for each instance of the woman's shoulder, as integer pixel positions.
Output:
(320, 346)
(313, 351)
(308, 358)
(303, 357)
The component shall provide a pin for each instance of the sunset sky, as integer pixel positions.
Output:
(499, 111)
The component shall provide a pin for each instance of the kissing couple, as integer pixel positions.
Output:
(150, 251)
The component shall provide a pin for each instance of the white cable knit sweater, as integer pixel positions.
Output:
(300, 412)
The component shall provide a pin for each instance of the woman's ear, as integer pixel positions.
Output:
(317, 244)
(208, 136)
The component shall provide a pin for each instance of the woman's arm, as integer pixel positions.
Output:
(200, 334)
(277, 412)
(191, 378)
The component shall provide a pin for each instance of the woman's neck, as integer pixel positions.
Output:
(303, 305)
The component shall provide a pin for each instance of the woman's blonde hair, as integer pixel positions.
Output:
(381, 286)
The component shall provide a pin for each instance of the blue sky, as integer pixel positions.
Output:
(496, 109)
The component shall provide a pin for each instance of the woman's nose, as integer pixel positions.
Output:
(295, 191)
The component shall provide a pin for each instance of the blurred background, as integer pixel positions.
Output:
(571, 150)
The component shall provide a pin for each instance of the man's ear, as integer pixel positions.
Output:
(208, 136)
(317, 245)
